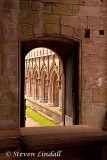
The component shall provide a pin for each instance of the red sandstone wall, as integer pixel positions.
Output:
(27, 19)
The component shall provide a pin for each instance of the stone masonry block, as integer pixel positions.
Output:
(38, 29)
(27, 30)
(53, 19)
(25, 5)
(47, 9)
(73, 1)
(94, 110)
(70, 21)
(87, 95)
(13, 60)
(20, 31)
(25, 17)
(66, 9)
(74, 21)
(10, 4)
(52, 29)
(51, 1)
(99, 95)
(78, 33)
(104, 9)
(97, 23)
(37, 6)
(93, 2)
(89, 11)
(68, 31)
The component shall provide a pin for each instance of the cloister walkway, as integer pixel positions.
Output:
(31, 123)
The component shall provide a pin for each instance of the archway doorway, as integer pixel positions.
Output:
(43, 73)
(68, 51)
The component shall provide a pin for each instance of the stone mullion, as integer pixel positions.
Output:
(60, 84)
(60, 98)
(32, 87)
(29, 87)
(39, 79)
(48, 79)
(35, 85)
(35, 80)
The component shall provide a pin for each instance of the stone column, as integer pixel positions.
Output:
(40, 89)
(33, 88)
(60, 98)
(28, 86)
(49, 94)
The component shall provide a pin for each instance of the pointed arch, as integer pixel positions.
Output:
(54, 88)
(44, 87)
(36, 84)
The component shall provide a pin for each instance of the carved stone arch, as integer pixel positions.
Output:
(36, 83)
(43, 69)
(52, 69)
(44, 86)
(35, 73)
(54, 98)
(36, 66)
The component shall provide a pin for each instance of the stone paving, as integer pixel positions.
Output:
(31, 123)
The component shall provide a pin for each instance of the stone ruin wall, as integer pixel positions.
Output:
(24, 19)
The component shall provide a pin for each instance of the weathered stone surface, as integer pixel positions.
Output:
(51, 19)
(51, 1)
(52, 29)
(47, 9)
(74, 21)
(93, 111)
(10, 4)
(103, 9)
(73, 1)
(25, 17)
(99, 95)
(27, 30)
(78, 33)
(25, 5)
(68, 31)
(98, 23)
(89, 11)
(93, 2)
(87, 94)
(37, 6)
(66, 9)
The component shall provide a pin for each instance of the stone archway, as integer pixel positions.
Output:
(63, 47)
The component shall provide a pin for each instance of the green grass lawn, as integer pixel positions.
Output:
(38, 118)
